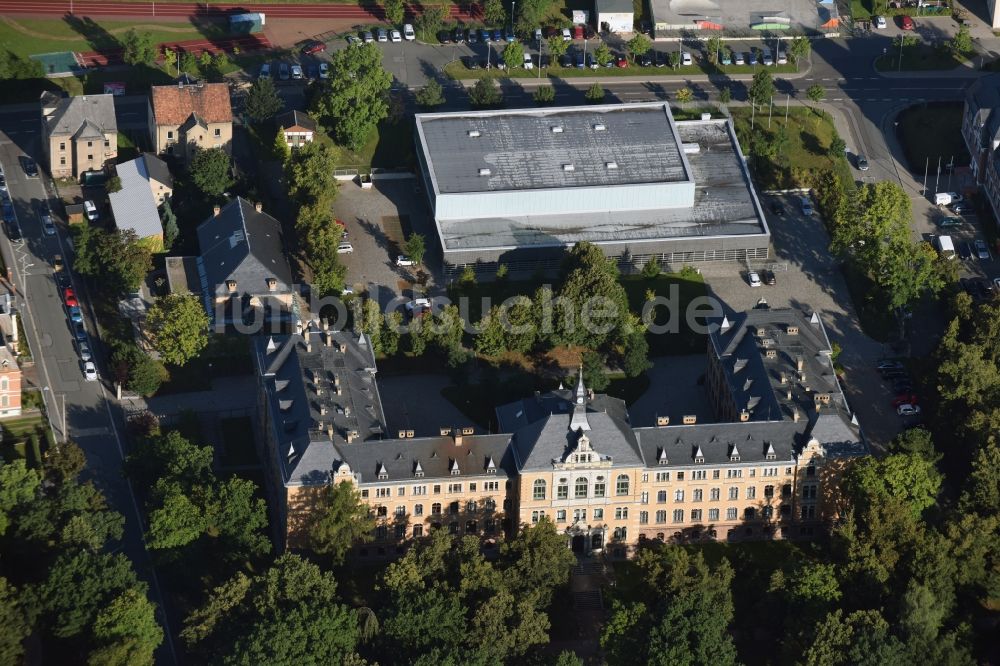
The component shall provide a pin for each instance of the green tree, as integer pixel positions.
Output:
(138, 48)
(673, 59)
(799, 49)
(684, 95)
(530, 14)
(983, 488)
(862, 637)
(878, 220)
(837, 148)
(431, 95)
(394, 11)
(761, 88)
(14, 619)
(431, 19)
(536, 562)
(513, 55)
(170, 229)
(126, 631)
(961, 43)
(713, 47)
(117, 257)
(18, 487)
(557, 47)
(281, 150)
(909, 270)
(652, 268)
(135, 370)
(544, 95)
(639, 45)
(485, 94)
(725, 95)
(310, 181)
(905, 477)
(205, 60)
(169, 59)
(602, 54)
(596, 311)
(594, 94)
(415, 247)
(262, 102)
(179, 326)
(353, 101)
(211, 171)
(340, 520)
(491, 339)
(816, 93)
(288, 614)
(636, 357)
(494, 12)
(594, 374)
(916, 441)
(64, 463)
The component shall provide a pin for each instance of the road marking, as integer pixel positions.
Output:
(91, 432)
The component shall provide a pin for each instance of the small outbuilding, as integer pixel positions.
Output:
(615, 16)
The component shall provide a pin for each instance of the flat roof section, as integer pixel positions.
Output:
(724, 205)
(532, 149)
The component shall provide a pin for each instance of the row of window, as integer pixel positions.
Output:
(487, 486)
(714, 494)
(696, 515)
(90, 144)
(170, 134)
(399, 531)
(581, 488)
(736, 473)
(489, 506)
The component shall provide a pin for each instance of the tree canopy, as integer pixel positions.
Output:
(211, 171)
(339, 521)
(262, 101)
(138, 47)
(179, 326)
(353, 101)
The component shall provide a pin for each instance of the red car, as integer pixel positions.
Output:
(69, 298)
(905, 399)
(907, 23)
(314, 47)
(621, 61)
(578, 32)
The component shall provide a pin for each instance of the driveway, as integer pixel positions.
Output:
(809, 279)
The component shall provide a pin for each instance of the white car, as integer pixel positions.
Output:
(296, 71)
(686, 58)
(880, 23)
(408, 33)
(90, 371)
(754, 279)
(528, 62)
(382, 36)
(394, 36)
(738, 58)
(84, 347)
(345, 248)
(91, 210)
(403, 260)
(807, 207)
(908, 410)
(324, 70)
(567, 35)
(782, 58)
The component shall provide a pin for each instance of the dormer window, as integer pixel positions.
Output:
(455, 471)
(231, 285)
(383, 473)
(272, 284)
(734, 458)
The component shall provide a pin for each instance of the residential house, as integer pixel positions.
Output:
(79, 134)
(298, 127)
(145, 184)
(187, 116)
(981, 131)
(769, 467)
(242, 266)
(10, 372)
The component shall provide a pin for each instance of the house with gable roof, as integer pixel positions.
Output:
(185, 117)
(79, 134)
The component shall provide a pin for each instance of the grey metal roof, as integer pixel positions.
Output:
(515, 415)
(544, 442)
(436, 457)
(244, 245)
(70, 114)
(724, 204)
(156, 169)
(614, 6)
(295, 118)
(523, 152)
(716, 442)
(134, 206)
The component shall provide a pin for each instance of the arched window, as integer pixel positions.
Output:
(581, 487)
(490, 505)
(621, 485)
(470, 506)
(538, 491)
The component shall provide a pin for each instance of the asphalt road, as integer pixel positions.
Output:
(92, 419)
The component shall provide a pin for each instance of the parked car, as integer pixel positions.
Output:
(567, 35)
(862, 163)
(902, 385)
(738, 58)
(470, 62)
(905, 399)
(767, 58)
(754, 279)
(807, 207)
(69, 297)
(471, 37)
(769, 278)
(965, 251)
(312, 72)
(661, 58)
(566, 61)
(879, 23)
(497, 35)
(29, 166)
(907, 23)
(368, 37)
(908, 410)
(686, 58)
(961, 207)
(484, 35)
(948, 222)
(646, 60)
(345, 248)
(89, 371)
(383, 36)
(297, 72)
(508, 35)
(782, 58)
(403, 260)
(528, 62)
(48, 226)
(444, 37)
(313, 47)
(621, 61)
(580, 63)
(324, 70)
(353, 40)
(8, 211)
(578, 32)
(3, 184)
(408, 33)
(395, 37)
(777, 209)
(84, 350)
(982, 251)
(726, 57)
(890, 365)
(79, 332)
(13, 230)
(265, 71)
(751, 57)
(458, 35)
(75, 314)
(283, 73)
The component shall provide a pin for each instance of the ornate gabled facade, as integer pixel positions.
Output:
(772, 471)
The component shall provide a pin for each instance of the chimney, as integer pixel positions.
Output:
(662, 421)
(216, 210)
(410, 434)
(402, 434)
(322, 410)
(782, 377)
(799, 363)
(795, 414)
(259, 207)
(744, 416)
(272, 284)
(352, 435)
(329, 338)
(307, 337)
(325, 323)
(459, 437)
(329, 432)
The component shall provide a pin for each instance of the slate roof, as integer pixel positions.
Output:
(983, 98)
(515, 415)
(716, 441)
(174, 104)
(241, 244)
(156, 169)
(86, 115)
(134, 206)
(538, 445)
(294, 118)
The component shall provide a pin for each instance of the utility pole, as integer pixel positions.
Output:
(951, 170)
(788, 99)
(899, 65)
(937, 181)
(927, 164)
(770, 108)
(753, 112)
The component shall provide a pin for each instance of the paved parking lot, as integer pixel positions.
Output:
(808, 278)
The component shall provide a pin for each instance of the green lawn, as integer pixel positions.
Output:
(458, 71)
(25, 437)
(932, 131)
(921, 58)
(25, 36)
(390, 147)
(625, 388)
(679, 290)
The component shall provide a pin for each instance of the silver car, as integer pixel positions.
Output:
(48, 226)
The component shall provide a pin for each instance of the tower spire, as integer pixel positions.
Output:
(579, 420)
(581, 390)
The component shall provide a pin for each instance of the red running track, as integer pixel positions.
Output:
(193, 46)
(190, 10)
